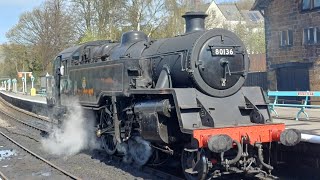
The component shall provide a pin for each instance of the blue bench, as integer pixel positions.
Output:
(302, 106)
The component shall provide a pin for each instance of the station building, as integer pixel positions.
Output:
(292, 29)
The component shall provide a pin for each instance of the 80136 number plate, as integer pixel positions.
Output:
(222, 51)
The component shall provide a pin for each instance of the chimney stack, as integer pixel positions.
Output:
(194, 21)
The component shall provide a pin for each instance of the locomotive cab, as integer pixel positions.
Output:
(53, 84)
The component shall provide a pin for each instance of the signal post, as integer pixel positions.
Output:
(23, 76)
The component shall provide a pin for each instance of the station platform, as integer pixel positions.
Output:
(37, 99)
(34, 104)
(287, 116)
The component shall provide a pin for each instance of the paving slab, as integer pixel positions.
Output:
(287, 116)
(38, 98)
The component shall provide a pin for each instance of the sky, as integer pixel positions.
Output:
(10, 10)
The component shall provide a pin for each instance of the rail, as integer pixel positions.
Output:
(304, 104)
(40, 158)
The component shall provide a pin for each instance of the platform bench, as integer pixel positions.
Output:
(302, 106)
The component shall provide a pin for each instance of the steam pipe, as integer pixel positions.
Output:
(260, 156)
(237, 158)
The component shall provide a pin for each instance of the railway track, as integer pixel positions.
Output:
(43, 118)
(156, 172)
(41, 124)
(69, 175)
(153, 171)
(161, 174)
(2, 176)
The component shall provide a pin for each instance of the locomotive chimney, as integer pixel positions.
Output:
(194, 21)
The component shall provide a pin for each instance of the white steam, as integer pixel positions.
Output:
(75, 134)
(137, 151)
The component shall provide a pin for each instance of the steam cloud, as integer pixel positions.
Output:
(136, 151)
(76, 134)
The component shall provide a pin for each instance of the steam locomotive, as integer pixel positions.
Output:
(183, 96)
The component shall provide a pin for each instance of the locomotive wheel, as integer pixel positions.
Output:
(194, 164)
(109, 143)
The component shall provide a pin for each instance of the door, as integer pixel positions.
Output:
(294, 78)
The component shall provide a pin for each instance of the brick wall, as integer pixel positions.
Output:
(282, 15)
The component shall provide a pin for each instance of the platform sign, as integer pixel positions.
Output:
(308, 93)
(293, 93)
(305, 93)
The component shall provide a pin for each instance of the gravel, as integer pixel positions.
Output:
(94, 164)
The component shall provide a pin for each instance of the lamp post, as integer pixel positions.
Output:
(9, 84)
(5, 85)
(32, 80)
(23, 76)
(47, 80)
(33, 91)
(22, 84)
(14, 84)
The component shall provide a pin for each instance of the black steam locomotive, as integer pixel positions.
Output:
(182, 95)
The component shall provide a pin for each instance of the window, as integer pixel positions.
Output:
(310, 35)
(310, 4)
(290, 37)
(76, 56)
(316, 3)
(254, 16)
(286, 38)
(283, 38)
(64, 70)
(317, 34)
(306, 4)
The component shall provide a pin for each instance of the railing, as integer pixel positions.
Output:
(304, 103)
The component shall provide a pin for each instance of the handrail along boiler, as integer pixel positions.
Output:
(183, 95)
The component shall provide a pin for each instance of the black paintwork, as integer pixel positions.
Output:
(183, 70)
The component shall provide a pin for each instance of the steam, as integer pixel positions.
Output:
(75, 134)
(136, 151)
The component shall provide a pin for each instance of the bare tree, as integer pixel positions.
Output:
(245, 4)
(146, 15)
(98, 19)
(47, 29)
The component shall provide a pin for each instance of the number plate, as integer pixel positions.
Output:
(223, 51)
